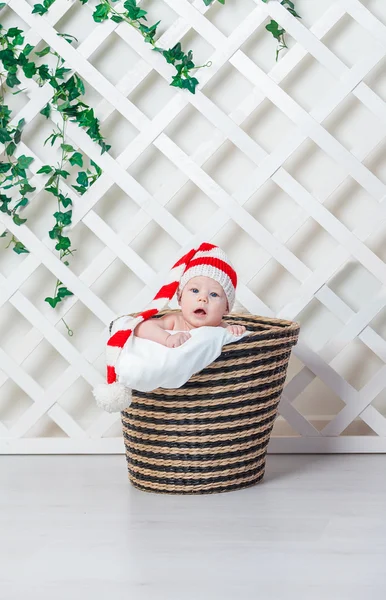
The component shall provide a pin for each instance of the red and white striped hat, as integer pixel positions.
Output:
(207, 260)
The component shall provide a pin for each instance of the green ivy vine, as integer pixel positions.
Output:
(14, 174)
(273, 26)
(136, 17)
(278, 32)
(183, 63)
(14, 171)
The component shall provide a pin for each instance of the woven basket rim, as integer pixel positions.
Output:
(274, 324)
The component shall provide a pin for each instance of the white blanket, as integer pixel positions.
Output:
(145, 365)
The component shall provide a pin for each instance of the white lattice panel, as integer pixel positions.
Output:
(282, 164)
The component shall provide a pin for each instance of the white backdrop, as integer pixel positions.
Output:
(281, 164)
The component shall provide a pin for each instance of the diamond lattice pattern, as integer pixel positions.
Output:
(281, 163)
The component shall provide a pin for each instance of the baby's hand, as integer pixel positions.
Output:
(177, 339)
(236, 329)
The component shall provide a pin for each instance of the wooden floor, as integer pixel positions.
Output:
(73, 528)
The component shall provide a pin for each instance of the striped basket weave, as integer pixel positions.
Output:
(211, 434)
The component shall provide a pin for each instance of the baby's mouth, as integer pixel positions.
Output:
(199, 311)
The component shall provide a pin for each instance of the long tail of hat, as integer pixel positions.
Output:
(113, 396)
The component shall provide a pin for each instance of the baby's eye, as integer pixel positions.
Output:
(194, 290)
(214, 294)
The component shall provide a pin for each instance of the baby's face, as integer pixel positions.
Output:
(203, 302)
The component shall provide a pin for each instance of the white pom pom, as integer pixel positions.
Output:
(112, 397)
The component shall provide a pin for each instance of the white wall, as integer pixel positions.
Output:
(282, 164)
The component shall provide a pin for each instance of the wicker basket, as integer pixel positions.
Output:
(211, 434)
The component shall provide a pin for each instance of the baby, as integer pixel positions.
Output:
(205, 293)
(205, 282)
(203, 303)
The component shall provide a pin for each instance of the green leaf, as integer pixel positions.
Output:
(191, 84)
(63, 244)
(5, 201)
(26, 188)
(62, 173)
(63, 291)
(96, 167)
(79, 84)
(54, 233)
(63, 217)
(76, 159)
(67, 147)
(62, 107)
(290, 4)
(18, 171)
(82, 179)
(23, 202)
(60, 73)
(116, 19)
(177, 81)
(39, 9)
(294, 13)
(101, 13)
(52, 301)
(4, 135)
(10, 149)
(52, 190)
(29, 69)
(13, 32)
(105, 147)
(53, 139)
(43, 52)
(273, 27)
(46, 111)
(67, 36)
(19, 248)
(134, 11)
(5, 112)
(173, 54)
(66, 201)
(44, 72)
(46, 140)
(149, 31)
(44, 169)
(50, 181)
(12, 80)
(27, 49)
(17, 220)
(79, 189)
(18, 40)
(4, 167)
(17, 136)
(24, 161)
